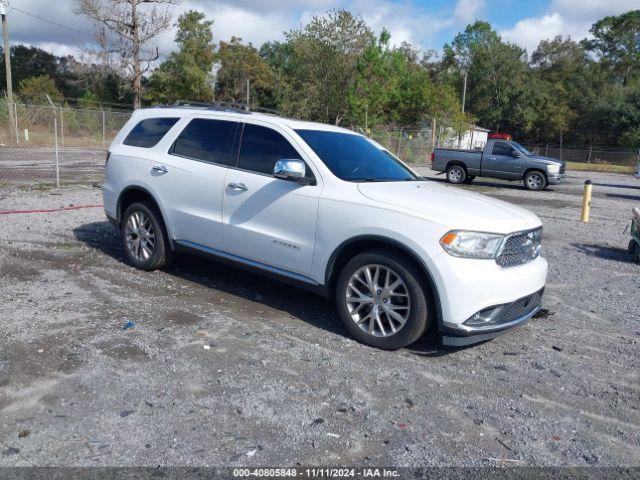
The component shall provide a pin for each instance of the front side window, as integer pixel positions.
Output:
(208, 140)
(500, 148)
(522, 149)
(354, 158)
(262, 147)
(149, 132)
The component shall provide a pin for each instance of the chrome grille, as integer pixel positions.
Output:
(520, 248)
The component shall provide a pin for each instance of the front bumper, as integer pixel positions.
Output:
(504, 317)
(555, 178)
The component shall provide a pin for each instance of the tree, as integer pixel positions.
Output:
(496, 73)
(186, 74)
(36, 89)
(323, 65)
(617, 42)
(126, 30)
(239, 62)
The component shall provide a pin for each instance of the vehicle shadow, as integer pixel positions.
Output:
(486, 183)
(623, 197)
(616, 185)
(308, 307)
(608, 253)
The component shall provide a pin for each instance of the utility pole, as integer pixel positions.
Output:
(248, 94)
(464, 90)
(4, 7)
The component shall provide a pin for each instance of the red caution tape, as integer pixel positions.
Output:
(50, 210)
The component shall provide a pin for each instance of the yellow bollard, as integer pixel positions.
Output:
(586, 201)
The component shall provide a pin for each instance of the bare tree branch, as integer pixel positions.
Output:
(124, 30)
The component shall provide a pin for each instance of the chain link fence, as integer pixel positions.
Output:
(44, 144)
(414, 145)
(592, 157)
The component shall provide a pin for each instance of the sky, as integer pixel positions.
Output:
(427, 24)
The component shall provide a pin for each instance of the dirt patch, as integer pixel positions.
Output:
(182, 318)
(19, 273)
(123, 349)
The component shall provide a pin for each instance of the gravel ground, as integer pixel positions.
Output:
(280, 382)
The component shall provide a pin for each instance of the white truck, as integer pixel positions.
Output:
(329, 210)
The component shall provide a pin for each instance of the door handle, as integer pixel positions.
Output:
(238, 186)
(159, 168)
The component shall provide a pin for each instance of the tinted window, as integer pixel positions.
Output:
(149, 132)
(262, 147)
(502, 149)
(354, 158)
(208, 140)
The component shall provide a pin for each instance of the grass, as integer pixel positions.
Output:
(600, 167)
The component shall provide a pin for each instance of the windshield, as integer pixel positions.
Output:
(354, 158)
(522, 149)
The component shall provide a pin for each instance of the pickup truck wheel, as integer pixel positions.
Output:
(144, 237)
(456, 174)
(535, 180)
(381, 300)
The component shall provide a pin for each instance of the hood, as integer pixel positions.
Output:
(451, 207)
(542, 158)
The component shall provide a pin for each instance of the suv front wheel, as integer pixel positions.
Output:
(381, 301)
(144, 237)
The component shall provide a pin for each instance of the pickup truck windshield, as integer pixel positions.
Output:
(522, 149)
(354, 158)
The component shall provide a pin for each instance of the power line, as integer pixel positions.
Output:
(51, 22)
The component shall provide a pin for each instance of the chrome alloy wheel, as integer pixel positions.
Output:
(455, 175)
(534, 181)
(378, 300)
(140, 236)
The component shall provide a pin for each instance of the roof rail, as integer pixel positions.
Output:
(221, 106)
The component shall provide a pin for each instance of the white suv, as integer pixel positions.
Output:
(327, 209)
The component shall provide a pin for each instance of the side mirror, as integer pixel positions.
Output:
(516, 154)
(293, 170)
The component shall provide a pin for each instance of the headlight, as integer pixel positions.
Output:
(553, 168)
(472, 244)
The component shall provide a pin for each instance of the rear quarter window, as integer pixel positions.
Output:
(149, 132)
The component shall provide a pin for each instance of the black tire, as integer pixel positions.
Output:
(469, 179)
(456, 174)
(634, 251)
(161, 255)
(535, 180)
(418, 318)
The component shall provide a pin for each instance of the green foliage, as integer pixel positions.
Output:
(239, 62)
(89, 100)
(631, 138)
(36, 89)
(185, 75)
(335, 70)
(617, 42)
(322, 66)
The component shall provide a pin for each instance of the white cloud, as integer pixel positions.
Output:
(467, 11)
(571, 18)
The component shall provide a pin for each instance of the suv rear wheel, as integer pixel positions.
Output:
(456, 174)
(381, 301)
(144, 237)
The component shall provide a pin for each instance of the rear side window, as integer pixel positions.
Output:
(502, 149)
(149, 132)
(208, 140)
(262, 147)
